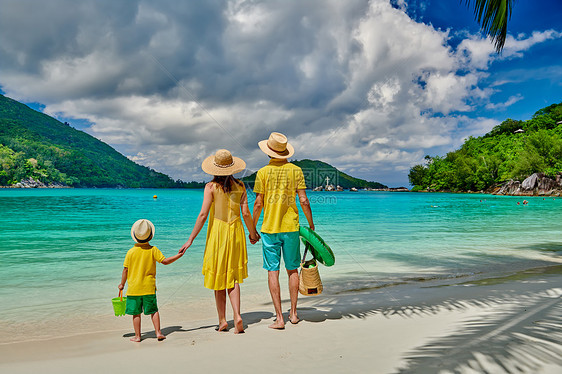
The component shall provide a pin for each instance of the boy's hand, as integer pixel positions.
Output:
(121, 286)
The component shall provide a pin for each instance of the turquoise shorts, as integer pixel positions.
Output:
(136, 304)
(284, 242)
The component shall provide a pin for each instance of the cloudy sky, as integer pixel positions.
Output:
(370, 87)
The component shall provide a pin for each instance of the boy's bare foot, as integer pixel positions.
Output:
(277, 325)
(160, 337)
(222, 327)
(239, 326)
(294, 319)
(135, 339)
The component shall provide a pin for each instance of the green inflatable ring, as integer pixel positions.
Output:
(318, 247)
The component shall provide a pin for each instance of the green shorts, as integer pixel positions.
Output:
(136, 304)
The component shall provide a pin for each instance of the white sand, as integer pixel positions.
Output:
(501, 326)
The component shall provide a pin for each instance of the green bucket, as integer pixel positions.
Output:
(119, 304)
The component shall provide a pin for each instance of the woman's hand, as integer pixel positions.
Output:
(254, 238)
(185, 246)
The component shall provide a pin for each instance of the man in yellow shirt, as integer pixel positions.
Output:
(277, 186)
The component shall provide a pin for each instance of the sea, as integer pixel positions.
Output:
(62, 250)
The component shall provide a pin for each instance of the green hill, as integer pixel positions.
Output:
(512, 150)
(35, 145)
(315, 173)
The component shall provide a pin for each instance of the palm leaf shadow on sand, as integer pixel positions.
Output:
(517, 331)
(521, 339)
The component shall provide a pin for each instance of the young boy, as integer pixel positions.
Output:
(140, 270)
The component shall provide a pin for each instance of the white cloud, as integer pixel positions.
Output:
(478, 53)
(500, 106)
(514, 47)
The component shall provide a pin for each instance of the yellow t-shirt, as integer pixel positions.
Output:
(141, 264)
(279, 182)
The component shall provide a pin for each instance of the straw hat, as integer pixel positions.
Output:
(222, 163)
(277, 146)
(142, 231)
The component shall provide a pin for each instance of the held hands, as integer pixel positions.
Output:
(185, 246)
(254, 238)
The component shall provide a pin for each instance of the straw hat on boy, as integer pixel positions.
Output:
(142, 231)
(223, 163)
(277, 146)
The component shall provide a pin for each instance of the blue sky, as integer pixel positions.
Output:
(536, 77)
(370, 87)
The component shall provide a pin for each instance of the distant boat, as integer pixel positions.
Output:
(353, 189)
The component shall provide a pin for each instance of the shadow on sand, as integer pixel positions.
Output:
(521, 334)
(518, 331)
(249, 318)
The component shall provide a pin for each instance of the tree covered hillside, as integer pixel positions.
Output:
(315, 173)
(512, 150)
(35, 145)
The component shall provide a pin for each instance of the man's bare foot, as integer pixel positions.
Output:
(222, 327)
(239, 326)
(294, 319)
(135, 339)
(277, 325)
(160, 337)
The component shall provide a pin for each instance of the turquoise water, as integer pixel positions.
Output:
(63, 249)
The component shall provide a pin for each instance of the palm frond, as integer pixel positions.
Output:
(493, 15)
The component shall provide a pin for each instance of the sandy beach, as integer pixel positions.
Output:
(508, 324)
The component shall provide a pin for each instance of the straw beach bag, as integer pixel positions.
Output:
(309, 277)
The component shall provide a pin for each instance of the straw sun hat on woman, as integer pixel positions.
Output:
(223, 163)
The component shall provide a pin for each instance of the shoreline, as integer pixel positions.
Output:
(555, 193)
(510, 320)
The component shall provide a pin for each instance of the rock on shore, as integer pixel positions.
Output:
(32, 183)
(537, 184)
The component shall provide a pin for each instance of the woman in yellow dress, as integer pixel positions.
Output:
(225, 260)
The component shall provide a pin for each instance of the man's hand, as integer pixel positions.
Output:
(254, 239)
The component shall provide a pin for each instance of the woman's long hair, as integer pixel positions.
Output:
(226, 182)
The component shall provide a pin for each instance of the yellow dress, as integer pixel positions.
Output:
(226, 260)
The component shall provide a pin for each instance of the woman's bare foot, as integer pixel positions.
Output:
(239, 326)
(222, 327)
(135, 339)
(277, 325)
(294, 319)
(160, 337)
